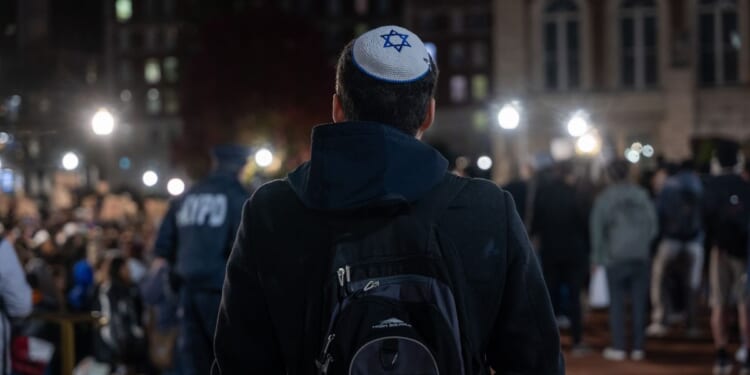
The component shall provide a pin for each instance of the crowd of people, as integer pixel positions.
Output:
(74, 261)
(674, 240)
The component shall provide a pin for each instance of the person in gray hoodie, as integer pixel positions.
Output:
(623, 224)
(15, 298)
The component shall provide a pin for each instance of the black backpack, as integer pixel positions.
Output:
(391, 296)
(733, 217)
(683, 212)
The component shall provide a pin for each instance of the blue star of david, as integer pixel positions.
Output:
(397, 46)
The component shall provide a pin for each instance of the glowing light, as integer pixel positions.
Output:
(648, 151)
(637, 147)
(175, 186)
(484, 163)
(264, 158)
(70, 161)
(125, 163)
(508, 118)
(103, 123)
(578, 124)
(632, 156)
(4, 138)
(150, 178)
(588, 144)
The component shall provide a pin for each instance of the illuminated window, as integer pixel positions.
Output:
(480, 120)
(719, 41)
(638, 43)
(171, 102)
(459, 88)
(480, 87)
(562, 46)
(152, 71)
(171, 69)
(153, 102)
(123, 10)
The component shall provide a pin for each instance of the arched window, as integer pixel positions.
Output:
(639, 61)
(562, 46)
(719, 42)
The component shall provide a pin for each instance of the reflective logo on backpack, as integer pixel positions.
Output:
(391, 323)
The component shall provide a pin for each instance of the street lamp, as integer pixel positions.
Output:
(103, 123)
(150, 178)
(175, 186)
(70, 161)
(509, 117)
(588, 144)
(484, 163)
(264, 158)
(578, 124)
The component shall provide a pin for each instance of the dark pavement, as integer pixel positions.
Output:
(674, 354)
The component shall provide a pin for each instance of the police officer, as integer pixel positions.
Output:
(195, 238)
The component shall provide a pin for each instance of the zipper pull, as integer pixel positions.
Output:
(372, 284)
(340, 273)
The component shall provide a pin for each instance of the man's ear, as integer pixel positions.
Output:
(337, 111)
(429, 118)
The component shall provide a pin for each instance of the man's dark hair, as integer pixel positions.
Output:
(619, 170)
(726, 153)
(364, 98)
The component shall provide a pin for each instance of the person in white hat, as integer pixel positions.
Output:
(372, 258)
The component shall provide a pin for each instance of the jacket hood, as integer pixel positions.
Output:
(358, 164)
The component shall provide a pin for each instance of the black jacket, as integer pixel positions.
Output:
(269, 321)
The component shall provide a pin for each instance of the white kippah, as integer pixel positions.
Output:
(392, 54)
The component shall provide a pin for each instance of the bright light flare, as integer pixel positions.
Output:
(70, 161)
(578, 124)
(264, 158)
(103, 123)
(632, 156)
(508, 118)
(150, 178)
(175, 186)
(484, 163)
(588, 144)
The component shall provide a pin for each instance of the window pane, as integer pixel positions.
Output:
(573, 52)
(729, 32)
(479, 54)
(152, 36)
(707, 49)
(153, 101)
(152, 71)
(480, 87)
(361, 6)
(171, 69)
(550, 55)
(627, 32)
(171, 101)
(170, 37)
(652, 69)
(458, 54)
(477, 21)
(651, 51)
(458, 89)
(383, 7)
(627, 52)
(555, 6)
(126, 71)
(124, 37)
